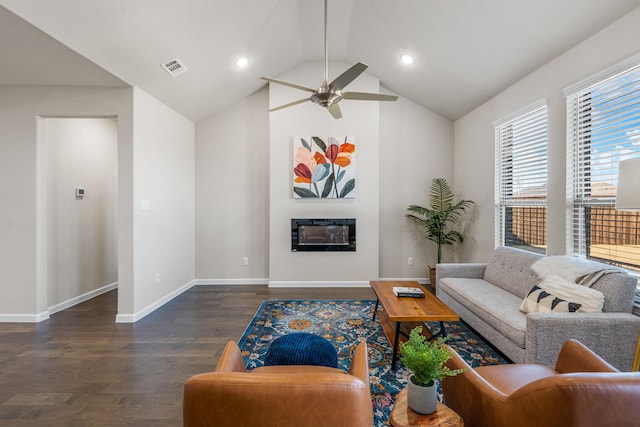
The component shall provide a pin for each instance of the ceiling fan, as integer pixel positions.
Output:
(329, 94)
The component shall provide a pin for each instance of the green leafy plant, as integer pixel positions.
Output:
(426, 359)
(442, 213)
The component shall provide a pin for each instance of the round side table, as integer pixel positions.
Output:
(403, 416)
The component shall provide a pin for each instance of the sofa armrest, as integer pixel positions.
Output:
(611, 336)
(231, 359)
(360, 363)
(463, 270)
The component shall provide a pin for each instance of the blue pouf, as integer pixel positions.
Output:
(301, 349)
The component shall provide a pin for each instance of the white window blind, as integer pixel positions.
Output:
(521, 178)
(603, 128)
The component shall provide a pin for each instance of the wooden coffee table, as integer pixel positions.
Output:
(406, 309)
(403, 416)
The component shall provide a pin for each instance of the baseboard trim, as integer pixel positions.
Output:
(226, 282)
(421, 280)
(132, 318)
(82, 298)
(317, 284)
(24, 317)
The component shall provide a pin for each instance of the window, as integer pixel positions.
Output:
(521, 179)
(603, 128)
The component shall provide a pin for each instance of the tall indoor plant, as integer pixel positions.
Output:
(426, 361)
(435, 220)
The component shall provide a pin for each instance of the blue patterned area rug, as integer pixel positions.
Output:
(345, 323)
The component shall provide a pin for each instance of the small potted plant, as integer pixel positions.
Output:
(435, 220)
(426, 361)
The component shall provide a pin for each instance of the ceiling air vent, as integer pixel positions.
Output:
(174, 67)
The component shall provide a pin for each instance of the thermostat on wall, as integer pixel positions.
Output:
(79, 192)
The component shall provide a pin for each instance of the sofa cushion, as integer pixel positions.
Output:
(510, 269)
(497, 307)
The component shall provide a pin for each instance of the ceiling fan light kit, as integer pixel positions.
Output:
(329, 94)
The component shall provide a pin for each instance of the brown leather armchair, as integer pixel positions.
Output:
(294, 395)
(583, 390)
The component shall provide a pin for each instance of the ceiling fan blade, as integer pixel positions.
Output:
(291, 104)
(348, 76)
(282, 82)
(364, 96)
(334, 109)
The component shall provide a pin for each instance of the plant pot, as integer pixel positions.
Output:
(423, 400)
(432, 278)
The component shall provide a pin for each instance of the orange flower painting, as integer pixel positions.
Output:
(324, 168)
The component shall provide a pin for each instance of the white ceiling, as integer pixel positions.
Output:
(466, 50)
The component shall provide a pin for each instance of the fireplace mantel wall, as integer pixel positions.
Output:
(361, 121)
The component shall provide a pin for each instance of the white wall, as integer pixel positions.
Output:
(474, 134)
(360, 121)
(81, 232)
(23, 242)
(416, 146)
(163, 234)
(241, 194)
(155, 163)
(232, 194)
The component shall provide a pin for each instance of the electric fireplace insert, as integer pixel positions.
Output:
(321, 235)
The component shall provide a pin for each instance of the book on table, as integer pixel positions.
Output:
(401, 291)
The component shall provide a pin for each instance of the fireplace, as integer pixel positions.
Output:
(322, 235)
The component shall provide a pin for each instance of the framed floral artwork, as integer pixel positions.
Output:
(324, 168)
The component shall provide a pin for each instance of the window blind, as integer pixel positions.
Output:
(603, 128)
(521, 178)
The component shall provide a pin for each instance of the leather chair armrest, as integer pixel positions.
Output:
(471, 376)
(360, 363)
(231, 359)
(575, 357)
(468, 391)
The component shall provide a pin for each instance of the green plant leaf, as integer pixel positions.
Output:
(320, 143)
(303, 192)
(340, 175)
(348, 187)
(328, 185)
(426, 359)
(305, 144)
(433, 222)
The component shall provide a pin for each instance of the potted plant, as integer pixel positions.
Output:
(426, 361)
(435, 220)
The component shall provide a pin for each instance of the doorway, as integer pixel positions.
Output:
(79, 167)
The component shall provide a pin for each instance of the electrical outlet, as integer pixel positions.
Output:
(157, 278)
(410, 260)
(245, 261)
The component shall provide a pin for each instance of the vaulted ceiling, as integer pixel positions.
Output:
(465, 51)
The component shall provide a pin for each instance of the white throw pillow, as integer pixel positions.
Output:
(590, 300)
(540, 301)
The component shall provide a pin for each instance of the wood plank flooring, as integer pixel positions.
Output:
(80, 368)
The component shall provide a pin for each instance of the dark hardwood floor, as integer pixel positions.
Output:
(80, 368)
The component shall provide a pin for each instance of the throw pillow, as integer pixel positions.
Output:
(301, 348)
(584, 299)
(539, 300)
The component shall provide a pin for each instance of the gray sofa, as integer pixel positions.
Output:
(487, 296)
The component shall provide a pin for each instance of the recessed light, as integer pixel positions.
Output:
(407, 59)
(242, 62)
